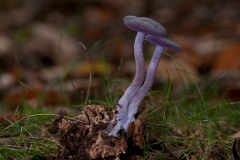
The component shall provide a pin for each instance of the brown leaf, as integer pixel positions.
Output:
(229, 59)
(97, 68)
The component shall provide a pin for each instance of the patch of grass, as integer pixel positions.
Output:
(29, 138)
(197, 122)
(27, 148)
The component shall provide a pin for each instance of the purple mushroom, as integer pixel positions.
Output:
(143, 26)
(161, 44)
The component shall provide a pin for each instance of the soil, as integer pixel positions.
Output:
(85, 136)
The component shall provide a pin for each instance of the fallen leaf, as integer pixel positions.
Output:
(228, 59)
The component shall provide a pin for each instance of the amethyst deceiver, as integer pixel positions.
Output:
(161, 44)
(143, 26)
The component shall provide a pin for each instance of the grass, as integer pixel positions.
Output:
(196, 122)
(24, 138)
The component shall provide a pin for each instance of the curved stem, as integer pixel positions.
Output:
(131, 91)
(133, 106)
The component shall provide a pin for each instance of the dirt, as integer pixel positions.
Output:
(85, 136)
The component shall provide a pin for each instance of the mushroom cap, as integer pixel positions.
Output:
(145, 25)
(163, 42)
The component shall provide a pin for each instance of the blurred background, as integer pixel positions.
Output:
(42, 63)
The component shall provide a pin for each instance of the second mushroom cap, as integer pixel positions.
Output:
(164, 42)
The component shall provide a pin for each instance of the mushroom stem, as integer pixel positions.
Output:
(139, 76)
(133, 106)
(122, 107)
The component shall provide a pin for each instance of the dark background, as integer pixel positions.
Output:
(39, 38)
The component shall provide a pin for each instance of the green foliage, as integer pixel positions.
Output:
(198, 120)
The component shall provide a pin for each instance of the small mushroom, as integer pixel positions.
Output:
(143, 26)
(161, 44)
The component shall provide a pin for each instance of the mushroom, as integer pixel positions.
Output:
(161, 44)
(143, 26)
